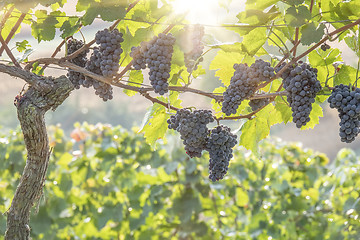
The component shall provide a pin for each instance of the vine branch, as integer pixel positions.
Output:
(13, 31)
(8, 52)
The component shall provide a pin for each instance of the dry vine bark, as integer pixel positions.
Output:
(46, 94)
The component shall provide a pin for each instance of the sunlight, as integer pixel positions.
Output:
(199, 11)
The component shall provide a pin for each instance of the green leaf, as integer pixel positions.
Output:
(69, 27)
(228, 47)
(253, 131)
(258, 17)
(23, 45)
(250, 46)
(156, 127)
(260, 4)
(153, 108)
(284, 109)
(310, 34)
(223, 64)
(83, 5)
(136, 78)
(315, 115)
(321, 58)
(353, 43)
(44, 27)
(242, 197)
(297, 16)
(346, 75)
(90, 15)
(111, 13)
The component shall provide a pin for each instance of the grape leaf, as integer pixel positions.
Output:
(44, 27)
(345, 75)
(69, 27)
(315, 115)
(284, 110)
(136, 79)
(90, 15)
(297, 16)
(310, 34)
(156, 126)
(223, 63)
(250, 46)
(253, 131)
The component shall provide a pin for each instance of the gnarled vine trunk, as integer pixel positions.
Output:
(31, 108)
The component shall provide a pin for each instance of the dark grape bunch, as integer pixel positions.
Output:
(348, 105)
(192, 128)
(325, 47)
(103, 90)
(256, 104)
(157, 55)
(110, 48)
(194, 37)
(80, 60)
(244, 82)
(104, 61)
(219, 145)
(300, 81)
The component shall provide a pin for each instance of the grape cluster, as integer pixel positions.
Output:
(325, 47)
(256, 104)
(192, 128)
(110, 48)
(195, 34)
(348, 105)
(244, 82)
(219, 145)
(300, 81)
(157, 55)
(104, 61)
(104, 90)
(80, 60)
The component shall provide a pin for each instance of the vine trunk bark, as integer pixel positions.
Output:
(31, 108)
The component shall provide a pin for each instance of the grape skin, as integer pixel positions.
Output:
(103, 90)
(348, 105)
(110, 48)
(156, 55)
(192, 128)
(104, 61)
(220, 144)
(80, 60)
(256, 104)
(244, 82)
(301, 84)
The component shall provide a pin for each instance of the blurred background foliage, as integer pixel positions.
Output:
(105, 182)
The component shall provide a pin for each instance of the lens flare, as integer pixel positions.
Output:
(198, 11)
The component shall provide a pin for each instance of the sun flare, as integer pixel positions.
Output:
(198, 11)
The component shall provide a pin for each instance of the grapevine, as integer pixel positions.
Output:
(298, 31)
